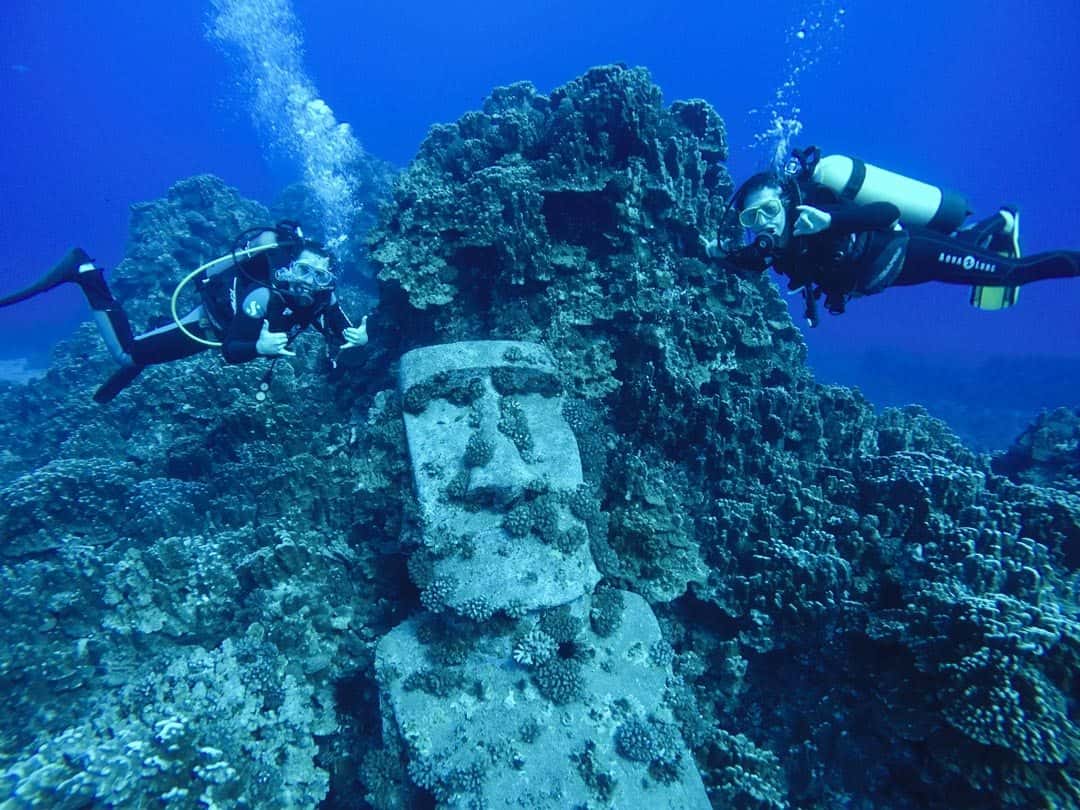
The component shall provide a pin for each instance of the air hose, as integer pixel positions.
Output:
(234, 256)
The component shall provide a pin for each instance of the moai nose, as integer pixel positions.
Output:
(504, 478)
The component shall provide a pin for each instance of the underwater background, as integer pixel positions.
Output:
(109, 104)
(586, 523)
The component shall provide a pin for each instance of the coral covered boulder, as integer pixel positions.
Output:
(583, 724)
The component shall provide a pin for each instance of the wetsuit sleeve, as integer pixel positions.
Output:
(242, 334)
(879, 216)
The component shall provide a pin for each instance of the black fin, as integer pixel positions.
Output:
(67, 269)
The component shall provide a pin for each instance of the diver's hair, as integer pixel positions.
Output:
(319, 249)
(757, 182)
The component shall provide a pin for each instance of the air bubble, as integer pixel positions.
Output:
(268, 47)
(823, 20)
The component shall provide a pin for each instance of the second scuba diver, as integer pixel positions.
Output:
(261, 295)
(839, 228)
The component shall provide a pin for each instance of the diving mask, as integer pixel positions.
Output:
(760, 215)
(303, 279)
(307, 272)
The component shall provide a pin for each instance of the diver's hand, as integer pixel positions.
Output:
(810, 221)
(355, 335)
(711, 247)
(273, 344)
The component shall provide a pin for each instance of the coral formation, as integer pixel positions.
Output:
(534, 648)
(559, 680)
(478, 451)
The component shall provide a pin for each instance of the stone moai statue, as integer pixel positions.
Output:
(522, 685)
(493, 463)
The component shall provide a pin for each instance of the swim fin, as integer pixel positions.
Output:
(120, 380)
(67, 269)
(994, 298)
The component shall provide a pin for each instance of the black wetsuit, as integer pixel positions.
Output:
(863, 251)
(236, 302)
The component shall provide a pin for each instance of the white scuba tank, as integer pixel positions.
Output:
(920, 204)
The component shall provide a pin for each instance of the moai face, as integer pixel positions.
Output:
(491, 454)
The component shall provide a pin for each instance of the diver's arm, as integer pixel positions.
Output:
(241, 338)
(878, 216)
(248, 335)
(238, 344)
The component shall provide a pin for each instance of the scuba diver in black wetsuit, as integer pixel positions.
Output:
(839, 228)
(255, 300)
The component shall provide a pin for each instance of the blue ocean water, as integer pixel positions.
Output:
(108, 104)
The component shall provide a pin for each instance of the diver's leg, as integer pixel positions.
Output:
(980, 233)
(161, 345)
(1007, 240)
(999, 232)
(158, 346)
(78, 268)
(1042, 266)
(169, 342)
(932, 257)
(111, 320)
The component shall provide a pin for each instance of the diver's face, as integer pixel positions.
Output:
(764, 212)
(314, 270)
(305, 278)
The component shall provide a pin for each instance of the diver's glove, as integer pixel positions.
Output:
(810, 221)
(355, 335)
(273, 344)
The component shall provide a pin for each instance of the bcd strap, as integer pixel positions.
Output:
(855, 182)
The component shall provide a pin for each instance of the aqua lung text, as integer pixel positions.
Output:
(967, 262)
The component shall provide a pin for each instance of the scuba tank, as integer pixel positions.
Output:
(285, 235)
(920, 203)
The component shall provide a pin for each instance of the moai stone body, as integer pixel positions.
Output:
(524, 731)
(559, 700)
